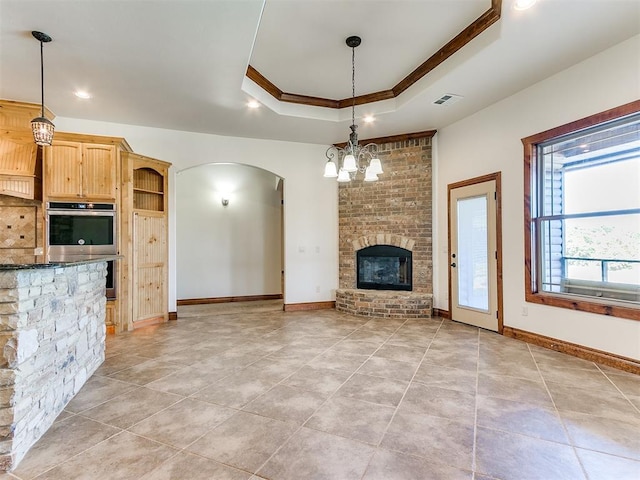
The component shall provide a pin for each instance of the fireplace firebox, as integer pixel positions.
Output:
(384, 267)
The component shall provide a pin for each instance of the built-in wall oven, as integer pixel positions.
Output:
(77, 230)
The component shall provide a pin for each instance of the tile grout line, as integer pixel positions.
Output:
(251, 413)
(393, 416)
(637, 409)
(256, 361)
(79, 453)
(562, 421)
(474, 448)
(184, 449)
(331, 396)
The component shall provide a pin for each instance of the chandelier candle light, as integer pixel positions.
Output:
(42, 127)
(353, 158)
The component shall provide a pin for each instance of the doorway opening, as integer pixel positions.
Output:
(229, 234)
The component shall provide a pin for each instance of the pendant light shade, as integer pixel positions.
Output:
(369, 175)
(376, 166)
(42, 131)
(330, 170)
(343, 176)
(349, 163)
(41, 127)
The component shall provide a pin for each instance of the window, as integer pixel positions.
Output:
(582, 214)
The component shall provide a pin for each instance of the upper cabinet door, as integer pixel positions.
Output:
(63, 169)
(99, 171)
(76, 170)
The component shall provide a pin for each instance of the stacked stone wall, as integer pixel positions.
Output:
(52, 338)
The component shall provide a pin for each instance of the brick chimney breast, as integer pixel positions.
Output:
(396, 211)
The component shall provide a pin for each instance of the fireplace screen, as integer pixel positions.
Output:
(384, 267)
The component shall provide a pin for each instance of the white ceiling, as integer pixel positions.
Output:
(179, 64)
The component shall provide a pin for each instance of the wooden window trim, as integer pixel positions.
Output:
(546, 298)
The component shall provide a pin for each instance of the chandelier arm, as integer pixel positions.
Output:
(332, 152)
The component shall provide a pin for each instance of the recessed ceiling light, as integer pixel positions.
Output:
(253, 104)
(523, 4)
(82, 94)
(368, 118)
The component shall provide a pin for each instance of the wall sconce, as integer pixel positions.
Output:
(225, 201)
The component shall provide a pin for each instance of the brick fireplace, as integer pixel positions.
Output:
(394, 211)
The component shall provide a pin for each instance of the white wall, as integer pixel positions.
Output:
(232, 250)
(489, 141)
(310, 201)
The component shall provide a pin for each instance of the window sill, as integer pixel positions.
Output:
(584, 305)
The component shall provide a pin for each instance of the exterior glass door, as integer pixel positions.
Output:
(473, 254)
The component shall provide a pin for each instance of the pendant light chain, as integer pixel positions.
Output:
(353, 85)
(42, 76)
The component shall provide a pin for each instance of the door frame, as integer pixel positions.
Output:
(496, 176)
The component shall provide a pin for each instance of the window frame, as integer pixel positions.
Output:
(532, 295)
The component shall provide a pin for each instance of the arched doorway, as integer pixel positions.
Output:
(229, 234)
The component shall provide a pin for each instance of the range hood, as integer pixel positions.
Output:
(20, 157)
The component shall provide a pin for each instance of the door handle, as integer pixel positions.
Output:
(453, 264)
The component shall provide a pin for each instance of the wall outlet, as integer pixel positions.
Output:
(317, 288)
(525, 311)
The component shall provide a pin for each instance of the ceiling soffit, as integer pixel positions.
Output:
(479, 25)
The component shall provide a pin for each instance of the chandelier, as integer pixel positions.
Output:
(353, 158)
(41, 127)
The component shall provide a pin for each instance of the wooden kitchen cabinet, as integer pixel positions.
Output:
(99, 165)
(20, 157)
(82, 167)
(20, 165)
(63, 170)
(144, 235)
(111, 312)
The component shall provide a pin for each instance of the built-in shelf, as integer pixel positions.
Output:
(148, 193)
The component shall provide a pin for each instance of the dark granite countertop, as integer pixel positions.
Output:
(25, 262)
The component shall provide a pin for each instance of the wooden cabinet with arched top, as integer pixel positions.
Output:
(149, 189)
(143, 237)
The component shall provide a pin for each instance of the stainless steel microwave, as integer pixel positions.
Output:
(81, 229)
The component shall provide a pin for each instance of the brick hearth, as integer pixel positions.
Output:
(384, 303)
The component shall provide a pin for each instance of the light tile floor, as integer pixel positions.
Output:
(246, 391)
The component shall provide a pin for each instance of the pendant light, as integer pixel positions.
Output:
(42, 127)
(353, 159)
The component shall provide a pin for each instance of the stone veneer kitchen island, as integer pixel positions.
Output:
(52, 338)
